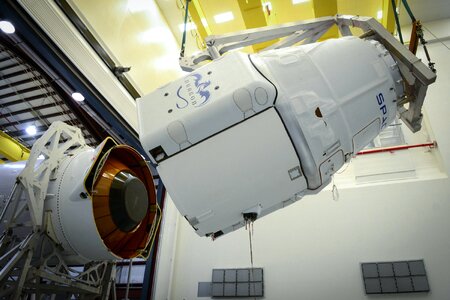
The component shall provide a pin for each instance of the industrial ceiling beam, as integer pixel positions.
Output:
(63, 75)
(14, 65)
(29, 99)
(12, 149)
(18, 133)
(18, 73)
(20, 82)
(37, 136)
(23, 91)
(5, 59)
(65, 112)
(41, 129)
(326, 8)
(35, 108)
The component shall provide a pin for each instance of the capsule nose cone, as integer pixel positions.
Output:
(135, 198)
(124, 202)
(128, 201)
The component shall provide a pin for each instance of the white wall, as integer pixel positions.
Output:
(313, 248)
(166, 253)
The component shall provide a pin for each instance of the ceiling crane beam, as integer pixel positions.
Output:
(20, 82)
(12, 149)
(34, 108)
(48, 116)
(10, 66)
(23, 91)
(17, 73)
(29, 99)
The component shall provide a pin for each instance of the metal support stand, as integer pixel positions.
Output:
(128, 279)
(31, 261)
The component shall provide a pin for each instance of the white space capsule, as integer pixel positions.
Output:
(249, 134)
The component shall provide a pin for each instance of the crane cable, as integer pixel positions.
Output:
(397, 22)
(249, 219)
(417, 31)
(183, 40)
(408, 10)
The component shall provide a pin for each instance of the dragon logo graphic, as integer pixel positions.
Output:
(193, 91)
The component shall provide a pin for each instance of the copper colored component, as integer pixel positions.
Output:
(414, 40)
(118, 190)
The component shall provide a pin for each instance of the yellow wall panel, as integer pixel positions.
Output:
(326, 8)
(388, 16)
(284, 11)
(197, 14)
(254, 16)
(138, 36)
(214, 7)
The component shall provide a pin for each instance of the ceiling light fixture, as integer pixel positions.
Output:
(31, 130)
(379, 14)
(299, 1)
(77, 96)
(7, 27)
(224, 17)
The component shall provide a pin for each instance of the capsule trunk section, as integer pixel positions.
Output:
(334, 98)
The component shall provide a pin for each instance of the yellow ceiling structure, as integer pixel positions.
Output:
(12, 149)
(146, 34)
(249, 14)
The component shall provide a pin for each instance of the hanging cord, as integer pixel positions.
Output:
(249, 219)
(250, 233)
(422, 40)
(437, 39)
(408, 10)
(130, 265)
(194, 32)
(417, 30)
(183, 40)
(397, 22)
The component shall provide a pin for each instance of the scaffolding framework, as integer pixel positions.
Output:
(31, 258)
